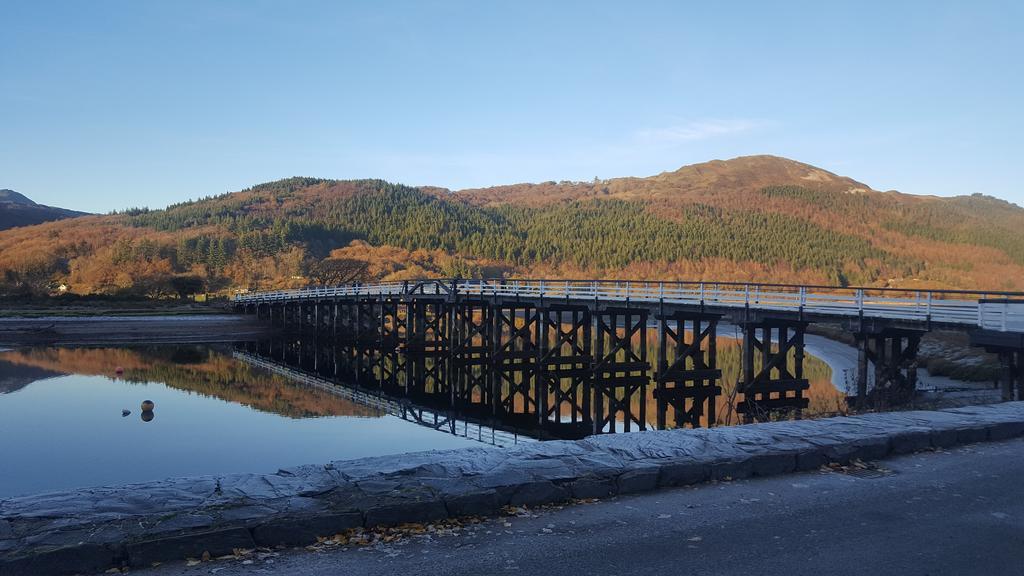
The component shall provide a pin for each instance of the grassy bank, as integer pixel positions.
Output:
(99, 305)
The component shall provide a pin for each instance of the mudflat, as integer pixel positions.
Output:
(101, 329)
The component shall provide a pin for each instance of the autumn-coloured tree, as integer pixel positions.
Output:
(338, 271)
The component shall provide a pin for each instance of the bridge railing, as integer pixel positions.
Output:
(1004, 315)
(991, 310)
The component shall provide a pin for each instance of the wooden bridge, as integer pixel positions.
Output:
(572, 355)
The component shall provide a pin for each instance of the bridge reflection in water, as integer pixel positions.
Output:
(418, 388)
(311, 364)
(572, 357)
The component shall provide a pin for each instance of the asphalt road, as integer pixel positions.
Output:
(956, 512)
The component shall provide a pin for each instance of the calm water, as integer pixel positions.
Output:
(61, 423)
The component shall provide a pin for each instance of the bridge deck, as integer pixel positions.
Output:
(996, 311)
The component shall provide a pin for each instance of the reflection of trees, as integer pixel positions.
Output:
(195, 369)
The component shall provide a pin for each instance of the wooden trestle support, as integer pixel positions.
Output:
(568, 367)
(893, 352)
(687, 374)
(515, 337)
(565, 366)
(471, 343)
(774, 384)
(1013, 374)
(620, 368)
(428, 346)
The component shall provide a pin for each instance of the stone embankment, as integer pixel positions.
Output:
(91, 530)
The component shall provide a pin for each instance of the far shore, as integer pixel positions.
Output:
(99, 328)
(107, 306)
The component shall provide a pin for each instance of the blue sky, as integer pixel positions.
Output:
(106, 104)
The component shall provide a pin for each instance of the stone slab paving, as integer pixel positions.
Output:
(91, 530)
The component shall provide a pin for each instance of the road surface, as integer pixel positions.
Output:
(951, 512)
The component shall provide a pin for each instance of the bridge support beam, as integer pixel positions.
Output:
(620, 369)
(514, 360)
(1012, 378)
(1009, 346)
(773, 369)
(687, 375)
(393, 335)
(367, 342)
(428, 347)
(564, 374)
(893, 351)
(471, 343)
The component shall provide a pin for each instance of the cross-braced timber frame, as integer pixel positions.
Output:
(514, 360)
(565, 375)
(687, 375)
(893, 352)
(620, 368)
(428, 347)
(775, 386)
(471, 354)
(394, 331)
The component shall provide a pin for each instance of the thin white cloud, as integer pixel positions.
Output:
(697, 130)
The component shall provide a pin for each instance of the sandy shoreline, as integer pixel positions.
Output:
(99, 330)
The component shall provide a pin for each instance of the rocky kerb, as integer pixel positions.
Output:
(92, 530)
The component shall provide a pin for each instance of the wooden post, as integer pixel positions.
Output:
(1006, 359)
(862, 370)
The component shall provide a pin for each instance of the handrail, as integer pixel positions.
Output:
(995, 310)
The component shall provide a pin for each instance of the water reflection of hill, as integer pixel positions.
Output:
(197, 369)
(14, 377)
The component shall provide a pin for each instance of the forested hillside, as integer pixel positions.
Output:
(754, 218)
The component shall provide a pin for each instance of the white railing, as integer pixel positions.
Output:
(1001, 311)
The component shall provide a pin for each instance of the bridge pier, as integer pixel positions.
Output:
(278, 311)
(428, 347)
(687, 374)
(893, 351)
(1012, 362)
(471, 343)
(564, 375)
(1009, 347)
(620, 368)
(515, 358)
(367, 341)
(393, 334)
(776, 383)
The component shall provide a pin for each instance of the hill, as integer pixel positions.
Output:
(18, 210)
(758, 218)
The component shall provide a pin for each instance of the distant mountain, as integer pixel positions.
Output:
(12, 197)
(755, 218)
(18, 210)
